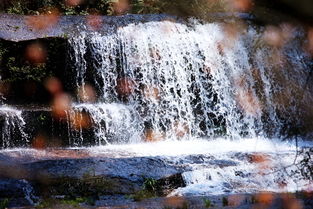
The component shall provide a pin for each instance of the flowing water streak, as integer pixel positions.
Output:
(77, 55)
(112, 123)
(13, 125)
(190, 81)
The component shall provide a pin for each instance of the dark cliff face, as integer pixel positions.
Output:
(22, 77)
(301, 10)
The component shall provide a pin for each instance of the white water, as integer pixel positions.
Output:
(198, 93)
(111, 123)
(203, 93)
(213, 167)
(193, 81)
(202, 146)
(213, 100)
(223, 166)
(13, 124)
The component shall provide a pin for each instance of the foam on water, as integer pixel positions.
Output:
(215, 167)
(224, 166)
(202, 146)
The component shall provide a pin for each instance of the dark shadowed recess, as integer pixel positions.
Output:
(22, 80)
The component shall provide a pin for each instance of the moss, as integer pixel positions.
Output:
(207, 203)
(142, 195)
(72, 188)
(4, 203)
(66, 203)
(88, 185)
(150, 189)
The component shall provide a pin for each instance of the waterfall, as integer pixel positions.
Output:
(166, 80)
(192, 80)
(13, 124)
(112, 123)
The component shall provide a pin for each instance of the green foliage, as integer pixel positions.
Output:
(4, 203)
(142, 194)
(147, 6)
(105, 7)
(74, 202)
(16, 8)
(27, 71)
(42, 118)
(45, 204)
(35, 7)
(207, 203)
(150, 190)
(68, 10)
(150, 184)
(15, 65)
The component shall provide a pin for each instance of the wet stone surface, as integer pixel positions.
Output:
(20, 28)
(109, 177)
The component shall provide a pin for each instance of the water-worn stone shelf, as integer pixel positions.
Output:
(36, 126)
(115, 177)
(21, 28)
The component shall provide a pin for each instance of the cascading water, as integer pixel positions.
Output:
(178, 85)
(12, 125)
(196, 80)
(112, 123)
(192, 82)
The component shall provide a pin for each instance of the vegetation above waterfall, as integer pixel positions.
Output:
(267, 11)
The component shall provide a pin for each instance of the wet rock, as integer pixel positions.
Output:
(17, 192)
(19, 28)
(224, 163)
(133, 169)
(168, 184)
(95, 176)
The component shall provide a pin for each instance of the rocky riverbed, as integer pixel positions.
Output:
(152, 175)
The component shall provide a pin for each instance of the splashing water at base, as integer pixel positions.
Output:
(215, 167)
(223, 166)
